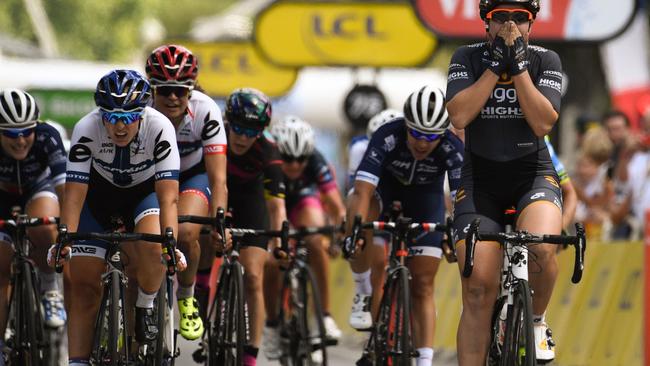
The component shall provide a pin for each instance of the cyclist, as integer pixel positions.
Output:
(201, 138)
(569, 194)
(32, 161)
(407, 160)
(311, 192)
(506, 94)
(255, 198)
(123, 162)
(368, 266)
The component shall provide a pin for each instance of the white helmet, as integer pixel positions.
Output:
(380, 119)
(425, 111)
(293, 136)
(18, 109)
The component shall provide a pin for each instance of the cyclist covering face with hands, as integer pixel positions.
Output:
(506, 94)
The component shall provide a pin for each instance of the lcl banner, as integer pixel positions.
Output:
(228, 65)
(329, 33)
(557, 20)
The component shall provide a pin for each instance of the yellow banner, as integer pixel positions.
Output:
(226, 66)
(311, 33)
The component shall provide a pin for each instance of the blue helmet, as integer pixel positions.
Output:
(249, 107)
(122, 91)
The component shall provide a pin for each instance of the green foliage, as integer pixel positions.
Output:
(105, 30)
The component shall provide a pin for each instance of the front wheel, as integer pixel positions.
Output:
(165, 351)
(392, 333)
(519, 344)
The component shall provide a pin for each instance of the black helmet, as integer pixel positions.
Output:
(485, 6)
(249, 108)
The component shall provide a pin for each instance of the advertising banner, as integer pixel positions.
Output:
(558, 20)
(317, 33)
(226, 66)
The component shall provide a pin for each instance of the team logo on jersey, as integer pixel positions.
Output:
(552, 180)
(389, 143)
(80, 152)
(211, 128)
(460, 194)
(162, 150)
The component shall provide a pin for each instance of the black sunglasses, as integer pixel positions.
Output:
(167, 90)
(290, 159)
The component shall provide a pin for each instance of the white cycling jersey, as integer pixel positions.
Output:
(356, 149)
(152, 153)
(201, 132)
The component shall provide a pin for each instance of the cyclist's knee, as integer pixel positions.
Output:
(478, 296)
(253, 281)
(422, 289)
(188, 236)
(42, 235)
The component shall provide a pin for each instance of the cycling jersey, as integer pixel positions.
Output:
(153, 152)
(44, 163)
(557, 163)
(356, 149)
(261, 163)
(201, 132)
(500, 131)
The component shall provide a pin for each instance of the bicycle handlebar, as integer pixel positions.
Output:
(29, 221)
(523, 238)
(167, 240)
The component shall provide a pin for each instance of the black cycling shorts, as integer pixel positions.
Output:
(488, 189)
(248, 207)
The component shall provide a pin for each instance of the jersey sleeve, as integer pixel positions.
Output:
(273, 175)
(454, 163)
(82, 144)
(56, 159)
(372, 164)
(549, 81)
(322, 173)
(166, 158)
(355, 154)
(213, 132)
(460, 75)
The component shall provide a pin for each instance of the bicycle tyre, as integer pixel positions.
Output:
(111, 315)
(28, 335)
(496, 344)
(519, 344)
(165, 351)
(392, 338)
(214, 357)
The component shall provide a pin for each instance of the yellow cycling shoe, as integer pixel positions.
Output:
(191, 324)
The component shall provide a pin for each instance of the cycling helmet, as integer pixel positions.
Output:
(18, 109)
(425, 111)
(485, 6)
(249, 108)
(172, 64)
(380, 119)
(293, 136)
(122, 91)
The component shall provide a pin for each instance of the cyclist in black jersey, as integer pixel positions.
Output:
(255, 199)
(32, 173)
(312, 197)
(506, 94)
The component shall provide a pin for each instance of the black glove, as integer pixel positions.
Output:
(518, 56)
(499, 52)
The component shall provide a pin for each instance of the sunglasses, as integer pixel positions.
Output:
(290, 159)
(126, 117)
(423, 136)
(248, 132)
(519, 16)
(15, 133)
(167, 90)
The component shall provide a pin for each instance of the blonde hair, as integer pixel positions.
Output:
(597, 145)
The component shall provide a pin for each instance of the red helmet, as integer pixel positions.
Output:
(172, 64)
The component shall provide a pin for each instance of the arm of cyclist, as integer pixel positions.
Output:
(277, 215)
(74, 196)
(215, 166)
(569, 203)
(358, 204)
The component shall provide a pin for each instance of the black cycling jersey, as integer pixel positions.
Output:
(45, 162)
(260, 164)
(500, 131)
(318, 173)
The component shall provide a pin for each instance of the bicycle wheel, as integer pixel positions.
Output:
(28, 337)
(165, 351)
(519, 345)
(392, 338)
(497, 333)
(110, 346)
(229, 331)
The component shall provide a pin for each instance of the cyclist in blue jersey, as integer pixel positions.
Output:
(312, 197)
(506, 94)
(123, 163)
(256, 194)
(369, 266)
(201, 137)
(32, 166)
(569, 194)
(407, 160)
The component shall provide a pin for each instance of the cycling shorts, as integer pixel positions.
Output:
(8, 201)
(248, 207)
(306, 197)
(197, 184)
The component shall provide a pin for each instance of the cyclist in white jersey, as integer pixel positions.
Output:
(123, 163)
(201, 137)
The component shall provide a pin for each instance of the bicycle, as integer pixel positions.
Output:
(390, 340)
(227, 330)
(512, 339)
(110, 341)
(302, 330)
(30, 343)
